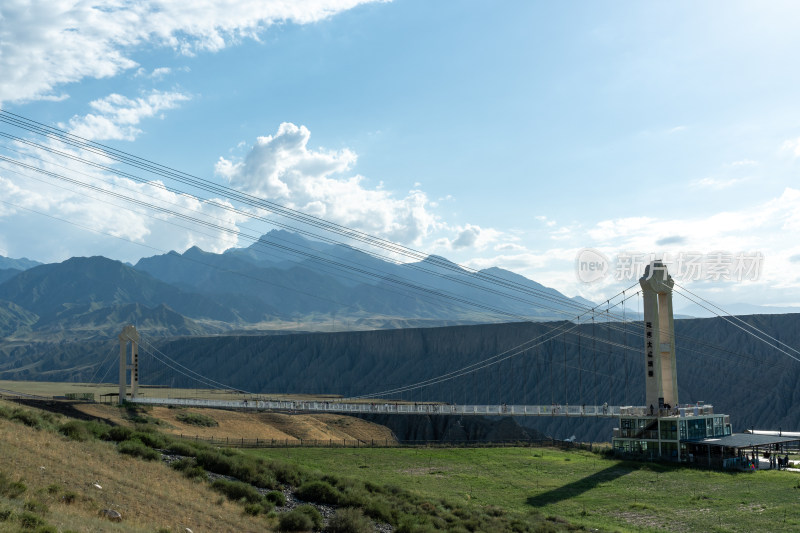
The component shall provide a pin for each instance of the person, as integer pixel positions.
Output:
(651, 409)
(786, 461)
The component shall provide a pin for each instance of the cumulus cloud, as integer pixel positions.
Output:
(474, 237)
(283, 168)
(48, 43)
(116, 117)
(29, 195)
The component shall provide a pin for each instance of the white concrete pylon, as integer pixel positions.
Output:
(661, 377)
(129, 334)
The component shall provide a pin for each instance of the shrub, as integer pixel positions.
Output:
(6, 514)
(253, 509)
(184, 464)
(35, 506)
(99, 429)
(276, 497)
(53, 488)
(196, 419)
(189, 468)
(182, 448)
(238, 466)
(150, 439)
(415, 524)
(119, 433)
(213, 461)
(136, 448)
(46, 529)
(69, 497)
(295, 521)
(354, 496)
(311, 512)
(28, 418)
(76, 430)
(11, 489)
(29, 520)
(236, 490)
(318, 492)
(350, 520)
(286, 473)
(380, 509)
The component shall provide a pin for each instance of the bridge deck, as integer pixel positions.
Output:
(391, 408)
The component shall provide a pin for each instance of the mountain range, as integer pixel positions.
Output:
(282, 282)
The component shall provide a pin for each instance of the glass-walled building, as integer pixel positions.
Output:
(663, 434)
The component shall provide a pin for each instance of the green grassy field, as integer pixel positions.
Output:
(581, 487)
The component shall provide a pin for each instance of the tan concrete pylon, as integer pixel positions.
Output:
(661, 377)
(129, 334)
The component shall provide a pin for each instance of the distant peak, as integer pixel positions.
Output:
(433, 258)
(194, 250)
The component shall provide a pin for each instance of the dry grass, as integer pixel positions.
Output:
(148, 495)
(237, 425)
(57, 388)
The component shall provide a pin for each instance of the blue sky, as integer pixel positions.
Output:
(495, 133)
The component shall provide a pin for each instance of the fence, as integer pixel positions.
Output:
(382, 443)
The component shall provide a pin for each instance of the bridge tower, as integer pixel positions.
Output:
(128, 335)
(661, 377)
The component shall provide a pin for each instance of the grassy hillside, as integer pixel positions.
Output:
(58, 477)
(51, 483)
(221, 424)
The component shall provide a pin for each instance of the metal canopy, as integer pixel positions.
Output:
(745, 440)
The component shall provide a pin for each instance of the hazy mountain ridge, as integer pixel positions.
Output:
(18, 264)
(283, 281)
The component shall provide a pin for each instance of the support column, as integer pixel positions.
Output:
(129, 334)
(661, 377)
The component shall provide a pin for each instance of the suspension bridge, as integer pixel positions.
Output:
(658, 352)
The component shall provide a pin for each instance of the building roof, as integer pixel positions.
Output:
(745, 440)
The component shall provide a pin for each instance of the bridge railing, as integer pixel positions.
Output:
(383, 443)
(393, 407)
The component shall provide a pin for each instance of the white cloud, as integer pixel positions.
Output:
(48, 43)
(117, 116)
(546, 221)
(718, 183)
(282, 168)
(793, 146)
(37, 195)
(508, 247)
(474, 237)
(156, 74)
(467, 237)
